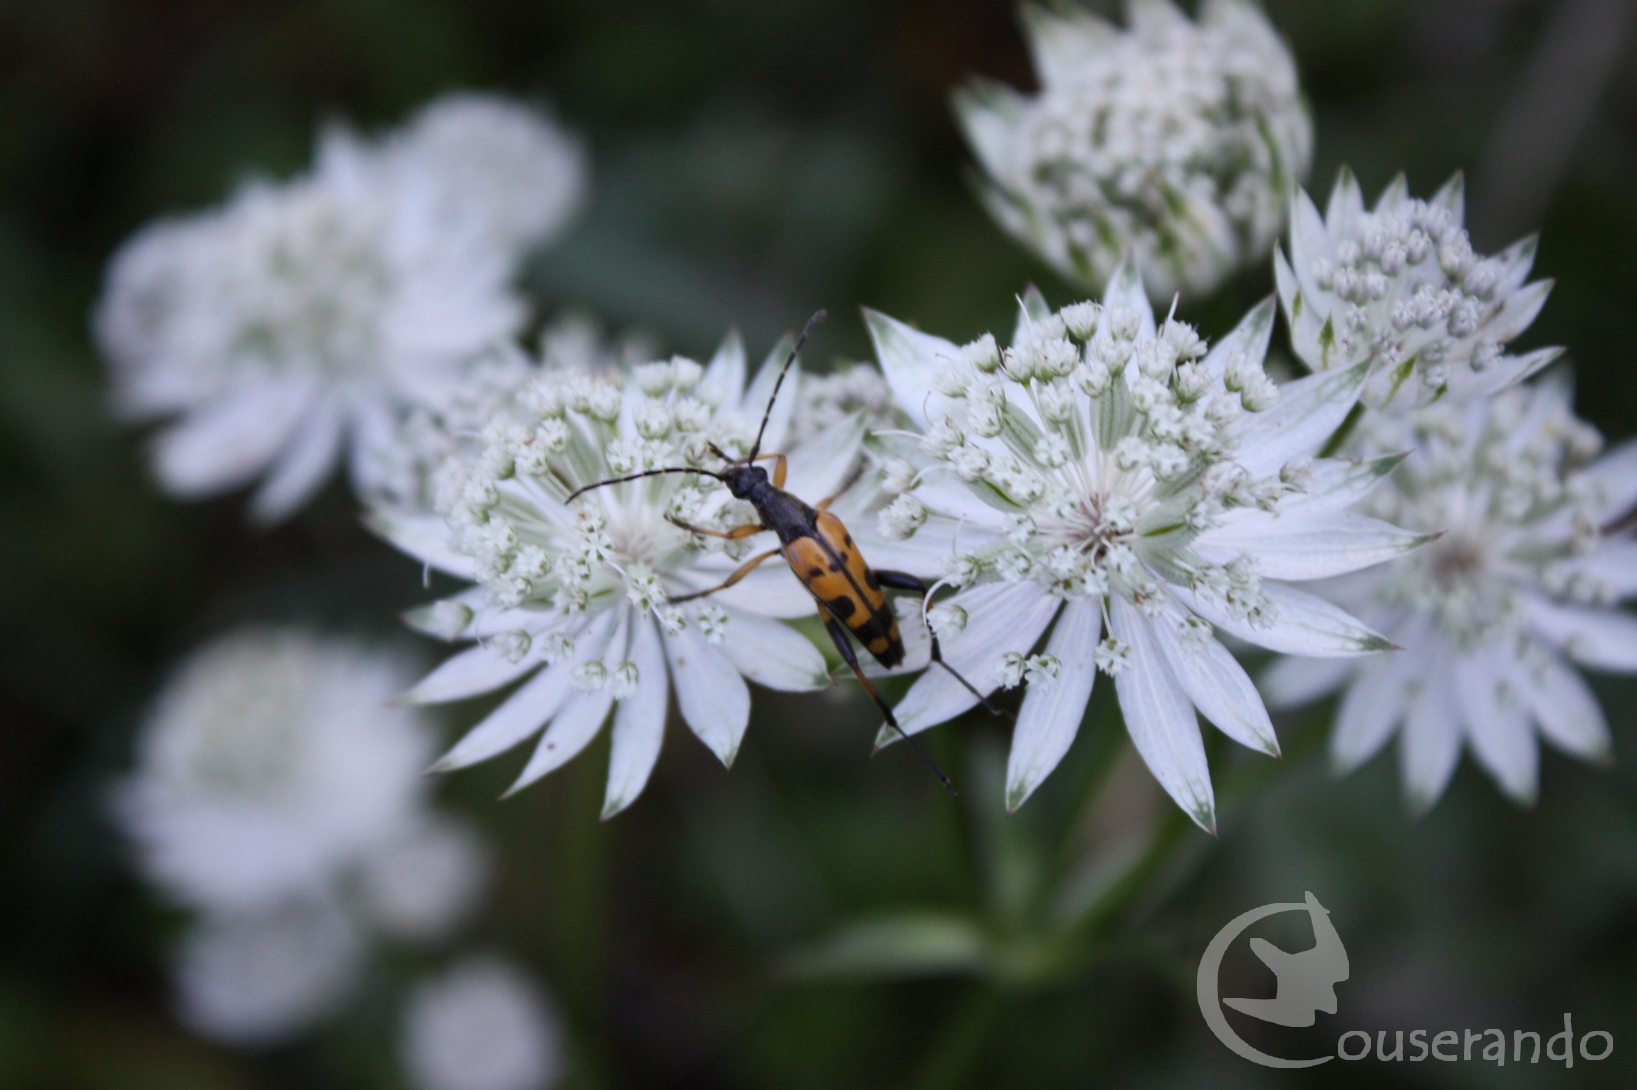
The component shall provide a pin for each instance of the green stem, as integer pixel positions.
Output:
(949, 1063)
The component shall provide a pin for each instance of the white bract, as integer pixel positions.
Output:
(1400, 288)
(825, 400)
(1176, 141)
(481, 1026)
(577, 599)
(1523, 582)
(1114, 475)
(301, 317)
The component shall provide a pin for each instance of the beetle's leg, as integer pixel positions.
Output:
(899, 580)
(738, 573)
(781, 466)
(838, 636)
(732, 535)
(852, 479)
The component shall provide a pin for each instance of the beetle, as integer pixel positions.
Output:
(821, 553)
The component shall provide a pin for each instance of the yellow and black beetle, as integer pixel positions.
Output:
(820, 552)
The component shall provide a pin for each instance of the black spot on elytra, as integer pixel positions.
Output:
(814, 573)
(834, 566)
(846, 539)
(842, 607)
(870, 580)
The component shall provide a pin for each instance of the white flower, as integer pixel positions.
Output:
(300, 317)
(1400, 288)
(1523, 581)
(825, 400)
(578, 599)
(1175, 507)
(272, 762)
(1177, 141)
(260, 977)
(482, 1026)
(425, 880)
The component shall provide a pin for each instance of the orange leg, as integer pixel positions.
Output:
(738, 573)
(781, 466)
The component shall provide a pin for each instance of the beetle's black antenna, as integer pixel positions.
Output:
(818, 316)
(645, 473)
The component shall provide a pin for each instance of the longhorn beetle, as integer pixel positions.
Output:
(821, 554)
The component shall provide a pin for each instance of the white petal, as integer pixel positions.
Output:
(1302, 623)
(1217, 685)
(478, 669)
(1001, 617)
(1613, 566)
(1568, 713)
(639, 722)
(1603, 639)
(1431, 742)
(1300, 546)
(771, 590)
(1051, 712)
(911, 359)
(223, 445)
(1294, 680)
(570, 732)
(726, 370)
(1309, 411)
(424, 537)
(1497, 730)
(773, 655)
(819, 467)
(1125, 290)
(756, 398)
(1339, 483)
(300, 468)
(1377, 699)
(1346, 206)
(1159, 717)
(1061, 40)
(1614, 476)
(714, 699)
(1249, 338)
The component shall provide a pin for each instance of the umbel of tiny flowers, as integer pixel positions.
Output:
(578, 599)
(1524, 582)
(299, 318)
(1175, 140)
(1400, 288)
(1116, 476)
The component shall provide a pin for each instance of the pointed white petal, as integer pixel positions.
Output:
(1061, 40)
(639, 722)
(770, 590)
(1051, 712)
(1159, 717)
(424, 537)
(1249, 339)
(819, 467)
(1431, 742)
(1339, 483)
(570, 732)
(1603, 639)
(1309, 412)
(1452, 196)
(1294, 680)
(714, 699)
(1614, 478)
(223, 445)
(478, 669)
(1217, 685)
(910, 359)
(1300, 546)
(1302, 623)
(989, 113)
(1568, 713)
(1613, 566)
(300, 468)
(726, 370)
(773, 655)
(1375, 703)
(1125, 290)
(1497, 729)
(1346, 205)
(1001, 617)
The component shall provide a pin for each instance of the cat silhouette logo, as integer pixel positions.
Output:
(1307, 979)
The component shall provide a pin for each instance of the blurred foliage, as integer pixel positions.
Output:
(753, 161)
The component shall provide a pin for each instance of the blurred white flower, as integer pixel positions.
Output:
(261, 977)
(1524, 579)
(1178, 142)
(482, 1026)
(271, 762)
(823, 401)
(1102, 471)
(301, 317)
(425, 880)
(578, 599)
(1400, 288)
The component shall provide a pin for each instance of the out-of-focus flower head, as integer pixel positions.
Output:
(578, 598)
(481, 1026)
(1105, 471)
(1176, 141)
(299, 318)
(1399, 287)
(1524, 580)
(825, 400)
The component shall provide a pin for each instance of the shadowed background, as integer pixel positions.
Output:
(752, 162)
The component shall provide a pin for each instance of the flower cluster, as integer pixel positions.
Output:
(584, 599)
(301, 317)
(1521, 580)
(1400, 287)
(247, 806)
(1176, 141)
(1108, 472)
(481, 1026)
(823, 401)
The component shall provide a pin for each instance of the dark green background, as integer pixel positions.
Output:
(753, 161)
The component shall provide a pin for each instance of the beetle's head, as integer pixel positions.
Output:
(742, 479)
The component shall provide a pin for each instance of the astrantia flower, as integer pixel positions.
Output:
(482, 1026)
(1103, 472)
(578, 599)
(300, 317)
(1401, 289)
(1523, 582)
(825, 400)
(1174, 140)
